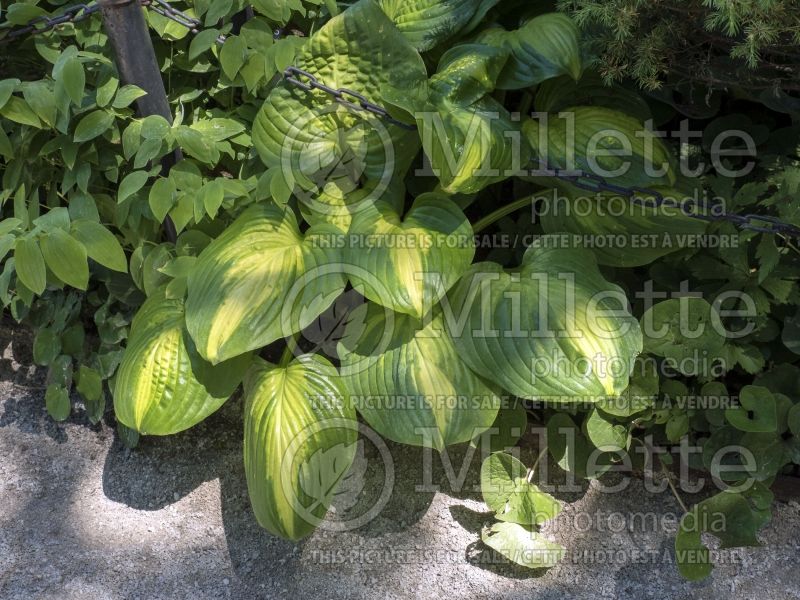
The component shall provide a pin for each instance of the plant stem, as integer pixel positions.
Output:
(500, 213)
(532, 470)
(668, 475)
(288, 352)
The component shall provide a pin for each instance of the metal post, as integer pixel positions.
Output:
(127, 31)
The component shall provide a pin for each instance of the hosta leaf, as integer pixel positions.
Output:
(299, 441)
(314, 139)
(259, 281)
(417, 259)
(641, 159)
(622, 234)
(507, 492)
(163, 386)
(544, 47)
(408, 381)
(425, 23)
(551, 330)
(522, 545)
(341, 198)
(468, 137)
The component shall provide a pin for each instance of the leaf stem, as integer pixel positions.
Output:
(668, 475)
(288, 352)
(501, 212)
(532, 470)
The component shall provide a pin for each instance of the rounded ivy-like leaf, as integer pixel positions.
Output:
(756, 411)
(605, 434)
(259, 281)
(603, 142)
(523, 546)
(417, 259)
(299, 441)
(409, 384)
(163, 386)
(551, 330)
(544, 47)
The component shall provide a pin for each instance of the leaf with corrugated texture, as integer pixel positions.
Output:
(417, 259)
(163, 386)
(552, 329)
(426, 23)
(544, 47)
(299, 441)
(409, 382)
(259, 281)
(314, 140)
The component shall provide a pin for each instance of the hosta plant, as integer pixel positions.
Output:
(294, 208)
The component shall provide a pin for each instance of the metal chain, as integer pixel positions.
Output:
(641, 196)
(80, 12)
(344, 96)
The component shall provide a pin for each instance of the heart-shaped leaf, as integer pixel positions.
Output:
(470, 139)
(426, 23)
(523, 546)
(410, 385)
(259, 281)
(313, 139)
(299, 441)
(507, 492)
(163, 386)
(417, 259)
(621, 234)
(604, 433)
(756, 411)
(551, 330)
(603, 142)
(544, 47)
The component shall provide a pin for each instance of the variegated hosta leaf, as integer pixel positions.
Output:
(163, 386)
(584, 138)
(622, 234)
(469, 138)
(552, 330)
(339, 200)
(417, 259)
(315, 140)
(259, 281)
(299, 441)
(546, 46)
(426, 23)
(410, 385)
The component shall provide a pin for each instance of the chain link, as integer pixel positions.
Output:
(353, 100)
(80, 12)
(641, 196)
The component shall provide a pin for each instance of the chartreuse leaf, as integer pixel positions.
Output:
(604, 142)
(522, 545)
(314, 140)
(426, 23)
(552, 329)
(341, 198)
(259, 281)
(29, 263)
(299, 441)
(66, 258)
(467, 135)
(756, 411)
(732, 517)
(686, 330)
(163, 386)
(507, 492)
(417, 259)
(544, 47)
(408, 382)
(622, 234)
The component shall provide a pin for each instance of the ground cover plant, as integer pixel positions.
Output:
(437, 220)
